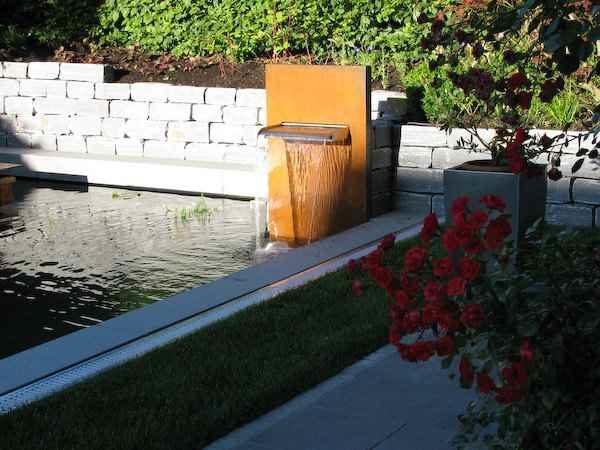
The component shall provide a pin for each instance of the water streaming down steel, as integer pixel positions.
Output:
(318, 174)
(318, 143)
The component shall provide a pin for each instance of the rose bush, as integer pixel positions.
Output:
(530, 351)
(479, 46)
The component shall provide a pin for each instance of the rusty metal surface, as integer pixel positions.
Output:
(329, 95)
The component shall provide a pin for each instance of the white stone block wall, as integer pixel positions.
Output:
(425, 151)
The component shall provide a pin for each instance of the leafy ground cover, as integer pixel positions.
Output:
(197, 389)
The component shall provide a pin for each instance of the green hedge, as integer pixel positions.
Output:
(243, 29)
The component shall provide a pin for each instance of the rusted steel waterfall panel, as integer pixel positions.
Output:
(328, 95)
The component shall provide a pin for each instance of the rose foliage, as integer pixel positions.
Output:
(522, 329)
(479, 48)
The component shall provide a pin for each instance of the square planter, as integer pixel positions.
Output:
(525, 196)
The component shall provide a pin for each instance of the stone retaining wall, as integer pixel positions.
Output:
(75, 109)
(425, 151)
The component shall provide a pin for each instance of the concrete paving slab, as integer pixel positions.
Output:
(385, 403)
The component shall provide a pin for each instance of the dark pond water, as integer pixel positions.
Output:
(72, 256)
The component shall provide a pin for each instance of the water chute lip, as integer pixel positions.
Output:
(307, 132)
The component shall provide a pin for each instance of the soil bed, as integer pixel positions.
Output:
(132, 65)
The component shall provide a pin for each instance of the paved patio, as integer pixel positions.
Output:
(379, 403)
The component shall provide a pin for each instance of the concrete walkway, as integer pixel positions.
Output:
(379, 403)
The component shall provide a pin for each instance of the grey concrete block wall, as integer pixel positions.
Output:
(75, 108)
(424, 152)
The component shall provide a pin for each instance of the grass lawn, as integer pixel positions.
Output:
(197, 389)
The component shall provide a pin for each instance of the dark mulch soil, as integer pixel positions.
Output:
(132, 65)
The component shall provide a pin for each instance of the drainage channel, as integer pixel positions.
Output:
(86, 369)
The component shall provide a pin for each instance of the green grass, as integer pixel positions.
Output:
(191, 392)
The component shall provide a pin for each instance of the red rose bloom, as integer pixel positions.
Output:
(444, 346)
(493, 202)
(357, 288)
(515, 374)
(433, 292)
(384, 277)
(477, 220)
(402, 300)
(447, 322)
(430, 226)
(450, 240)
(414, 259)
(459, 205)
(469, 268)
(524, 99)
(517, 164)
(526, 350)
(374, 259)
(497, 231)
(387, 242)
(472, 316)
(430, 313)
(466, 370)
(423, 350)
(442, 267)
(352, 266)
(507, 395)
(395, 334)
(456, 286)
(414, 319)
(410, 284)
(485, 383)
(473, 246)
(517, 80)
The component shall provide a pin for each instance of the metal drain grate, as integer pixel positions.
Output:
(75, 374)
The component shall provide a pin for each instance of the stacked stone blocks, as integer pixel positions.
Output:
(68, 107)
(425, 151)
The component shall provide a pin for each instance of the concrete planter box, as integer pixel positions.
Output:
(525, 196)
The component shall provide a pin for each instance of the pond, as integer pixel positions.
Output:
(72, 255)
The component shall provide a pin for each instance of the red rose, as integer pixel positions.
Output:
(444, 346)
(387, 242)
(450, 240)
(473, 246)
(363, 263)
(517, 164)
(456, 286)
(466, 370)
(485, 383)
(410, 284)
(395, 334)
(357, 288)
(430, 226)
(423, 350)
(477, 220)
(469, 268)
(546, 142)
(524, 99)
(520, 136)
(430, 313)
(517, 80)
(442, 267)
(526, 350)
(433, 292)
(414, 259)
(472, 316)
(447, 322)
(493, 202)
(352, 266)
(459, 205)
(497, 231)
(515, 374)
(402, 300)
(414, 319)
(507, 395)
(383, 277)
(374, 259)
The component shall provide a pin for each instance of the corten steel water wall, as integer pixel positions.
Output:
(318, 119)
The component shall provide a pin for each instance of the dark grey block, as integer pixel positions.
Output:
(428, 181)
(525, 196)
